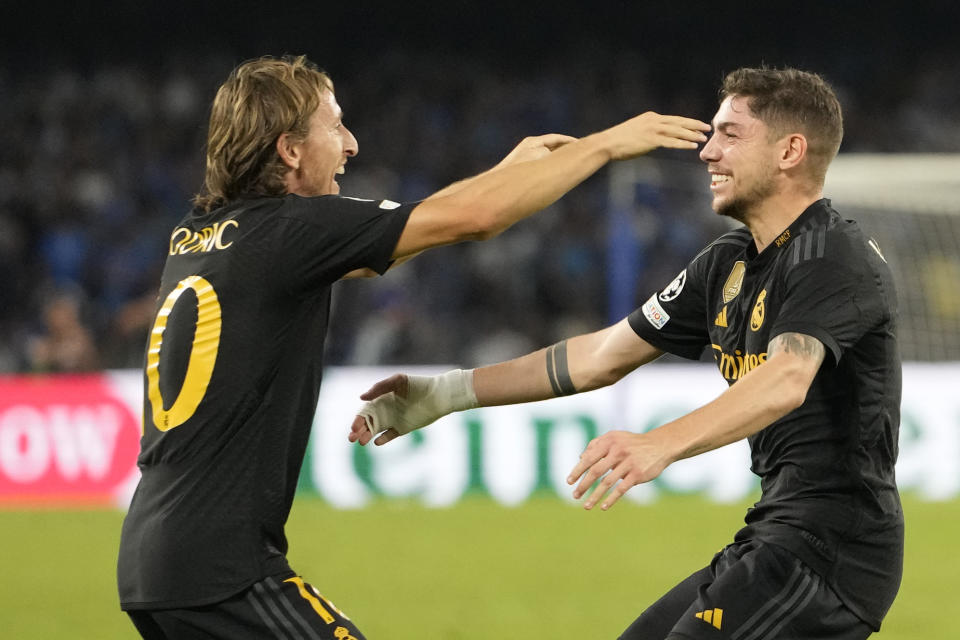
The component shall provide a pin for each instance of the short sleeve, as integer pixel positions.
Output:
(321, 239)
(672, 319)
(830, 301)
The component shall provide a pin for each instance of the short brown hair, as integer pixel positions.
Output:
(259, 101)
(790, 100)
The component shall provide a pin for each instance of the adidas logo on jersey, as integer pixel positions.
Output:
(721, 319)
(713, 616)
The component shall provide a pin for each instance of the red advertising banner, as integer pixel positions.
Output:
(65, 440)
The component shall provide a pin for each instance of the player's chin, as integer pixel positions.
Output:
(731, 208)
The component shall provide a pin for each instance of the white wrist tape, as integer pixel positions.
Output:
(428, 398)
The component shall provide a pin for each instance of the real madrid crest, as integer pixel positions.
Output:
(759, 312)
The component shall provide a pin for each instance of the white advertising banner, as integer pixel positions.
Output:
(511, 453)
(74, 439)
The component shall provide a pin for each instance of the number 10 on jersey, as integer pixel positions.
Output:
(203, 354)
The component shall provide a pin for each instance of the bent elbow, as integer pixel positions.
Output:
(440, 221)
(486, 225)
(485, 234)
(794, 391)
(474, 223)
(472, 234)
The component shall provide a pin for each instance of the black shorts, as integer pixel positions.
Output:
(285, 608)
(751, 591)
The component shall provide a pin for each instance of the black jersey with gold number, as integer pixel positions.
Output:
(827, 469)
(231, 381)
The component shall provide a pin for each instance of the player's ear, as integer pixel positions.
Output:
(288, 148)
(793, 149)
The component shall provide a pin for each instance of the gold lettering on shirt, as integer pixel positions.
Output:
(738, 364)
(210, 238)
(783, 238)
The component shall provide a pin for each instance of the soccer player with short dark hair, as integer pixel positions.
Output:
(234, 359)
(799, 311)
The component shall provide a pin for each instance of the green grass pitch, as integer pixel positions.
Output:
(544, 569)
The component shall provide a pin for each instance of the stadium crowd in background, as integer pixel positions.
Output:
(96, 164)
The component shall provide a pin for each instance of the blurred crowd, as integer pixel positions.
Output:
(98, 165)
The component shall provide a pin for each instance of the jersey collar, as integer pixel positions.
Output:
(816, 215)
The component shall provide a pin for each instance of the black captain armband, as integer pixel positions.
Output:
(557, 370)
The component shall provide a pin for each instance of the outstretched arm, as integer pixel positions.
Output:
(530, 148)
(579, 364)
(402, 403)
(486, 205)
(766, 394)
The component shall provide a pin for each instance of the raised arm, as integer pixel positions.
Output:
(530, 148)
(486, 205)
(766, 394)
(402, 403)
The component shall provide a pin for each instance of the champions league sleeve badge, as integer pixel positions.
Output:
(652, 309)
(674, 288)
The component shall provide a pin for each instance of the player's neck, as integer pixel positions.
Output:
(771, 217)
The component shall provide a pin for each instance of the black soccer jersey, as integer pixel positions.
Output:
(827, 468)
(232, 376)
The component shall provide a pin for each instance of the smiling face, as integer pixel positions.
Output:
(323, 154)
(741, 159)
